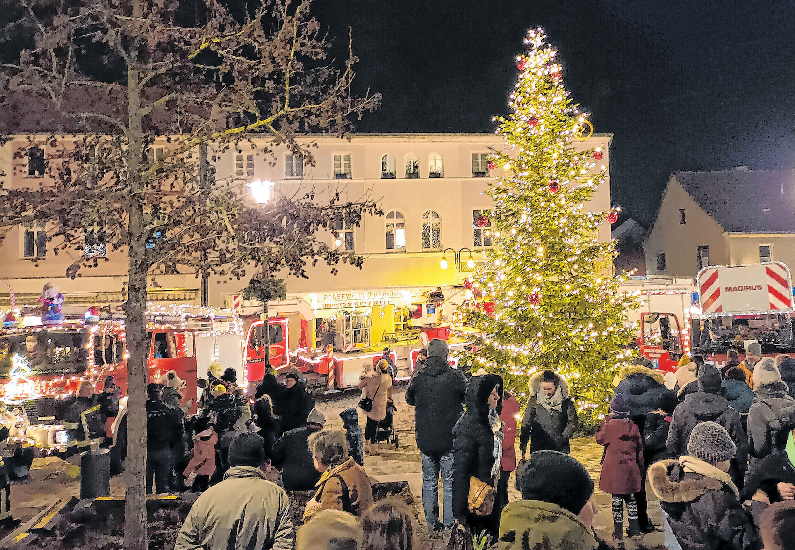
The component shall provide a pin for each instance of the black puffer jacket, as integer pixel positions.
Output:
(473, 442)
(291, 455)
(773, 470)
(437, 394)
(295, 407)
(164, 429)
(548, 430)
(703, 511)
(644, 393)
(772, 404)
(787, 370)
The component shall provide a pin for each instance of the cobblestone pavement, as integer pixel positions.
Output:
(50, 480)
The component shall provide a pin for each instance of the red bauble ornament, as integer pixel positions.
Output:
(482, 221)
(554, 186)
(612, 217)
(535, 299)
(468, 284)
(490, 165)
(598, 154)
(533, 122)
(522, 64)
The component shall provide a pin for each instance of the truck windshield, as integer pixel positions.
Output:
(257, 340)
(46, 351)
(718, 334)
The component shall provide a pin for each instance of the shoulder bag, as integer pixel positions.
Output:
(366, 403)
(481, 497)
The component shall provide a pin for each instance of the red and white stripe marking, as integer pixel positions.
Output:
(709, 287)
(778, 287)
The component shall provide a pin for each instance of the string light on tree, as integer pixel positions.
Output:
(556, 303)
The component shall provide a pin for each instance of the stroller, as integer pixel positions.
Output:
(386, 428)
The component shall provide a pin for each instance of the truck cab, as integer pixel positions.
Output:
(660, 340)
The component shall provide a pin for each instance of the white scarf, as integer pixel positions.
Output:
(496, 428)
(551, 403)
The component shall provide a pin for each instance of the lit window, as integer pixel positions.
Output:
(388, 171)
(702, 256)
(480, 165)
(342, 167)
(431, 231)
(412, 167)
(481, 228)
(343, 235)
(34, 240)
(294, 166)
(395, 231)
(435, 166)
(765, 253)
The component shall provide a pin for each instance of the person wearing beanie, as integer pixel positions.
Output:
(775, 475)
(753, 354)
(550, 417)
(707, 405)
(622, 466)
(699, 498)
(244, 508)
(353, 433)
(772, 402)
(330, 530)
(292, 457)
(739, 394)
(437, 394)
(556, 491)
(686, 378)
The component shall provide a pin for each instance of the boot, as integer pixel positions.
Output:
(634, 528)
(618, 534)
(646, 525)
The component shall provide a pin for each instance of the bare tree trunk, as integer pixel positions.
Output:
(135, 535)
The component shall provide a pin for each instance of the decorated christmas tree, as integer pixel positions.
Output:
(556, 302)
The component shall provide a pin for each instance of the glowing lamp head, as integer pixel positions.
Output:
(260, 190)
(338, 241)
(471, 263)
(443, 264)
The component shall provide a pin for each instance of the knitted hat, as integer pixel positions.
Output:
(734, 373)
(171, 380)
(766, 372)
(330, 529)
(437, 348)
(230, 375)
(218, 390)
(776, 524)
(558, 478)
(710, 442)
(755, 348)
(619, 405)
(316, 417)
(684, 360)
(709, 379)
(248, 449)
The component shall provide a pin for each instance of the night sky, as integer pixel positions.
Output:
(682, 85)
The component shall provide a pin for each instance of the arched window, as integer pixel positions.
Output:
(388, 171)
(435, 166)
(431, 230)
(395, 230)
(412, 167)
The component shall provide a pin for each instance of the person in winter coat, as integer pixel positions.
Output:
(377, 385)
(686, 377)
(108, 402)
(510, 410)
(775, 475)
(699, 497)
(555, 506)
(777, 525)
(291, 455)
(437, 394)
(245, 510)
(732, 360)
(353, 434)
(389, 525)
(550, 418)
(163, 441)
(7, 521)
(267, 423)
(753, 354)
(771, 403)
(786, 367)
(739, 394)
(330, 530)
(226, 411)
(622, 466)
(270, 386)
(296, 402)
(343, 485)
(477, 449)
(202, 465)
(229, 379)
(705, 405)
(83, 418)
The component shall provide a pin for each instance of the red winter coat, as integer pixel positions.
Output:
(203, 461)
(622, 466)
(510, 408)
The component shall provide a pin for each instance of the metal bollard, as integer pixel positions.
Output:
(95, 474)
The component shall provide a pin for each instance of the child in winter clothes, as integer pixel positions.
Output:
(354, 434)
(622, 466)
(202, 465)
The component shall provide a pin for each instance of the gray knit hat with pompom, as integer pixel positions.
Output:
(710, 442)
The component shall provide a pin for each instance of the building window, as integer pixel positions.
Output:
(342, 167)
(480, 165)
(431, 231)
(765, 253)
(34, 240)
(481, 228)
(244, 165)
(95, 243)
(703, 256)
(435, 166)
(682, 216)
(36, 164)
(661, 262)
(294, 166)
(388, 171)
(412, 167)
(343, 235)
(395, 231)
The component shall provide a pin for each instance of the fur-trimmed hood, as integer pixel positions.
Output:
(671, 483)
(537, 378)
(637, 369)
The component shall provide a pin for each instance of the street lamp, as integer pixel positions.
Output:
(260, 190)
(457, 257)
